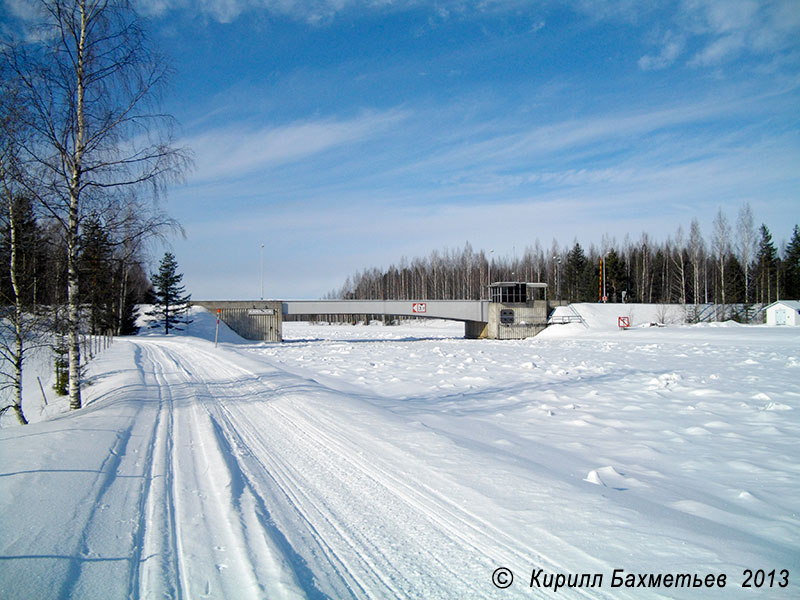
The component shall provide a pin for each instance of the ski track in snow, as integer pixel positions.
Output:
(321, 483)
(407, 468)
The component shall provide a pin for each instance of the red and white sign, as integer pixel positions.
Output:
(624, 322)
(419, 307)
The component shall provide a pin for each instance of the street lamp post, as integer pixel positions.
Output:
(557, 261)
(262, 271)
(605, 296)
(491, 260)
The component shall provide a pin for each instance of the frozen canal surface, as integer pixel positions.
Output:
(406, 462)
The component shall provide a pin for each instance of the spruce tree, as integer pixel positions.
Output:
(171, 300)
(616, 276)
(791, 267)
(95, 277)
(576, 270)
(767, 266)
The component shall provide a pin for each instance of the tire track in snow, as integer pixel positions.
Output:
(215, 547)
(284, 448)
(229, 440)
(186, 566)
(344, 579)
(108, 546)
(431, 502)
(144, 506)
(159, 572)
(283, 562)
(452, 540)
(360, 481)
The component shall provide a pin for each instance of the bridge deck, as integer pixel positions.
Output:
(262, 319)
(456, 310)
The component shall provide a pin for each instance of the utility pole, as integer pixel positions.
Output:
(557, 261)
(604, 296)
(491, 260)
(262, 271)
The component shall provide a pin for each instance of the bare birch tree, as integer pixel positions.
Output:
(92, 83)
(644, 277)
(696, 254)
(679, 260)
(721, 242)
(13, 331)
(746, 244)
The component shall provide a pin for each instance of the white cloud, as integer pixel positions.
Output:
(671, 49)
(726, 29)
(226, 11)
(615, 10)
(640, 196)
(537, 26)
(719, 50)
(323, 11)
(153, 8)
(23, 9)
(719, 31)
(573, 136)
(489, 183)
(235, 150)
(721, 17)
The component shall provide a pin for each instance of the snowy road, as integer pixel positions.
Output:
(243, 471)
(228, 478)
(288, 488)
(408, 468)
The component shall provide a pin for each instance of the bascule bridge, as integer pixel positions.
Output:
(515, 310)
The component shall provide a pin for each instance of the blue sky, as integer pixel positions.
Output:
(345, 134)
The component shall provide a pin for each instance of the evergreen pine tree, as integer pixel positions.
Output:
(616, 276)
(137, 289)
(767, 267)
(735, 279)
(171, 300)
(576, 270)
(95, 277)
(791, 267)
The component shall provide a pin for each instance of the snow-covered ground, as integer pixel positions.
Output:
(406, 462)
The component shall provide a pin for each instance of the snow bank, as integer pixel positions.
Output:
(604, 316)
(203, 325)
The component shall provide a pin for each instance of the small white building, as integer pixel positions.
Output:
(784, 312)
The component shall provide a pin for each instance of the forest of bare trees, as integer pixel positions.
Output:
(731, 264)
(84, 151)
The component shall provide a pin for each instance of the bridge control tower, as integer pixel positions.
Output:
(517, 310)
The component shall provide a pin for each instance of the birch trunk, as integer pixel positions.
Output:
(73, 301)
(19, 339)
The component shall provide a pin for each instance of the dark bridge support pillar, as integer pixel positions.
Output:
(475, 330)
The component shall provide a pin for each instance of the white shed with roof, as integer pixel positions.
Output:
(784, 312)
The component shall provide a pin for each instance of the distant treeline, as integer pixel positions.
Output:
(733, 264)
